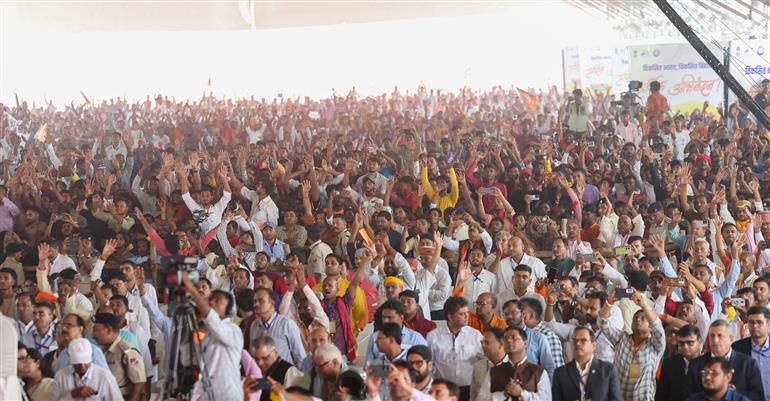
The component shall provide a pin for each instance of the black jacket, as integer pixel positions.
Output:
(746, 376)
(743, 346)
(672, 378)
(603, 383)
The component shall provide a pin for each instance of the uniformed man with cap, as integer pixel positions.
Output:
(125, 362)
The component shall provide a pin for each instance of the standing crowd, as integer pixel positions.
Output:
(477, 245)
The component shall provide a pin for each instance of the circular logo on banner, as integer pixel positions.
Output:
(761, 50)
(656, 52)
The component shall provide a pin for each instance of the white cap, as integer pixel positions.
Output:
(80, 351)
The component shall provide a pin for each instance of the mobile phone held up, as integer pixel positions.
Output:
(623, 293)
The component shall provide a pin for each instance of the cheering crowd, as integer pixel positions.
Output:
(477, 245)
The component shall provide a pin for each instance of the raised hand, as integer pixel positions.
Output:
(43, 251)
(139, 215)
(222, 173)
(464, 272)
(109, 248)
(737, 246)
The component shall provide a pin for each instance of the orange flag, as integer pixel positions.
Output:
(529, 100)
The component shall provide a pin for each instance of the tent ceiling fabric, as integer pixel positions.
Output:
(128, 16)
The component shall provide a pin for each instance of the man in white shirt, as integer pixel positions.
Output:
(506, 269)
(255, 130)
(522, 278)
(480, 280)
(681, 138)
(57, 262)
(222, 345)
(206, 213)
(82, 379)
(456, 347)
(263, 208)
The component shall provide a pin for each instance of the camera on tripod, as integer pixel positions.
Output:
(170, 276)
(633, 87)
(171, 268)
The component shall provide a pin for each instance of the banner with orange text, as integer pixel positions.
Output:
(686, 79)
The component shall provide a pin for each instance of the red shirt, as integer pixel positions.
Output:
(420, 325)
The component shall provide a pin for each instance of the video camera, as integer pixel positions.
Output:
(633, 87)
(170, 274)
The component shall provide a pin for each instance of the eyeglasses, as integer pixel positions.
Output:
(22, 358)
(321, 365)
(482, 303)
(710, 372)
(264, 358)
(67, 326)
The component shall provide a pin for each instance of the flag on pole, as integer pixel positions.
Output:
(529, 100)
(85, 97)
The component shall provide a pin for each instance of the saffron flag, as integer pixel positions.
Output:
(529, 100)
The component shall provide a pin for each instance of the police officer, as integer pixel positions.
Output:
(125, 362)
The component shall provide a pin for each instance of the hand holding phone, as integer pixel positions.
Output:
(623, 293)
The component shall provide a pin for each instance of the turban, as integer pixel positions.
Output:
(393, 280)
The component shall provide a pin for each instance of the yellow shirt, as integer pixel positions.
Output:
(359, 312)
(448, 200)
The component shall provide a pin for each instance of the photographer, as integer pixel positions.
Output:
(222, 344)
(628, 104)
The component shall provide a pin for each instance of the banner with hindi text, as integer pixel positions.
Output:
(686, 79)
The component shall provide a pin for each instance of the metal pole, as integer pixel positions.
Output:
(726, 107)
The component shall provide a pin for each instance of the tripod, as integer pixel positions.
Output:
(180, 378)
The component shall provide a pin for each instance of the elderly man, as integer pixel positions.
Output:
(82, 379)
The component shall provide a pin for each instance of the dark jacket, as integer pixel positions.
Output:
(672, 378)
(743, 346)
(603, 383)
(746, 376)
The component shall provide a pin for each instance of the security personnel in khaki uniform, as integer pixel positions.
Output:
(124, 361)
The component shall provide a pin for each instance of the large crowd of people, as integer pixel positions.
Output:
(425, 245)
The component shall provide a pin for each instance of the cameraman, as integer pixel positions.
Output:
(222, 344)
(627, 104)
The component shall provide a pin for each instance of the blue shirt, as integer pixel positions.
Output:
(409, 338)
(538, 351)
(285, 332)
(729, 396)
(762, 356)
(275, 252)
